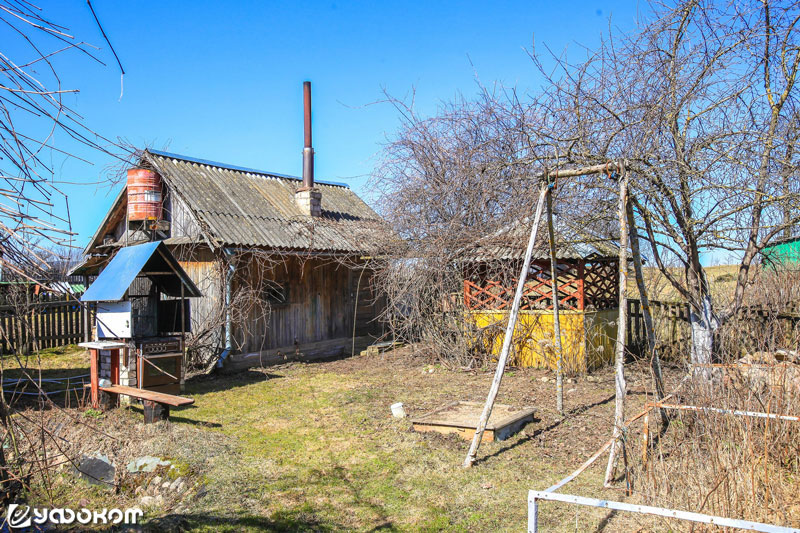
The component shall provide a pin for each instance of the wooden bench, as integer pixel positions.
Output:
(156, 404)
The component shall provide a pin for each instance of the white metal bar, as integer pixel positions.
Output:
(533, 515)
(755, 414)
(535, 495)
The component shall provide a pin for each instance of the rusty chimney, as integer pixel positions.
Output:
(308, 151)
(308, 198)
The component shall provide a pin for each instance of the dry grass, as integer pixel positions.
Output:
(314, 447)
(721, 278)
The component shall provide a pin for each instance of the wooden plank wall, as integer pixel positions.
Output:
(182, 222)
(320, 306)
(48, 321)
(205, 270)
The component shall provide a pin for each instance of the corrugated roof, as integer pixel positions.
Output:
(509, 243)
(246, 207)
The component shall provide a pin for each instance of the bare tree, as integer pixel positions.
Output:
(699, 99)
(37, 129)
(35, 124)
(453, 181)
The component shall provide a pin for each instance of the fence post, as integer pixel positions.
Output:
(533, 514)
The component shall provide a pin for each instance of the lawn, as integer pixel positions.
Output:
(314, 447)
(69, 364)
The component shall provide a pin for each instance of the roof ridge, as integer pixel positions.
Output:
(237, 168)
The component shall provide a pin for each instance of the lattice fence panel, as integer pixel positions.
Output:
(538, 294)
(601, 284)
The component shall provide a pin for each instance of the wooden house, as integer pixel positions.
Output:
(281, 262)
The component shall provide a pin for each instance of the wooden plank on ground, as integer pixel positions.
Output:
(142, 394)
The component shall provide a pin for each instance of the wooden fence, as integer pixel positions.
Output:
(673, 331)
(671, 320)
(41, 321)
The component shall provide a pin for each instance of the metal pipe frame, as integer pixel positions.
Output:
(535, 495)
(735, 412)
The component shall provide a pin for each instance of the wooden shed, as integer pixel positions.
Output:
(282, 266)
(587, 287)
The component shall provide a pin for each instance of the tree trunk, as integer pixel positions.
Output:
(649, 328)
(704, 324)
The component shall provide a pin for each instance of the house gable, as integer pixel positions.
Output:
(224, 205)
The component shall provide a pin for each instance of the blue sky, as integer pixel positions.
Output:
(222, 80)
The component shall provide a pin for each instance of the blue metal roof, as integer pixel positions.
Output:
(116, 278)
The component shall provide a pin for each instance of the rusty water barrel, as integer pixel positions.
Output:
(144, 194)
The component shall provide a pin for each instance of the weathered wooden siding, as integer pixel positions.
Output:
(320, 305)
(182, 222)
(201, 264)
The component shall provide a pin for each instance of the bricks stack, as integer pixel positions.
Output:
(105, 364)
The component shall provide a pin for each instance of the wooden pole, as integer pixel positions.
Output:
(512, 321)
(556, 318)
(94, 377)
(29, 328)
(87, 327)
(183, 337)
(622, 323)
(647, 316)
(611, 166)
(645, 441)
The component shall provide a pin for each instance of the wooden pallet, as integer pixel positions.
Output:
(462, 418)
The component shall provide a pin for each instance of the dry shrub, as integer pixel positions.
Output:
(732, 465)
(425, 306)
(725, 465)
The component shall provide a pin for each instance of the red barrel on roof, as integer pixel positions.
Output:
(144, 194)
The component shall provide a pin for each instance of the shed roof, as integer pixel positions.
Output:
(572, 243)
(152, 259)
(246, 207)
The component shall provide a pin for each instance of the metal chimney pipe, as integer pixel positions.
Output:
(308, 151)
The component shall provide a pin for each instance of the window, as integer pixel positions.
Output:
(276, 294)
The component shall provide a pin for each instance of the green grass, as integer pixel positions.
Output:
(63, 361)
(314, 447)
(318, 449)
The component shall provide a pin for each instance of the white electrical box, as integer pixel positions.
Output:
(114, 320)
